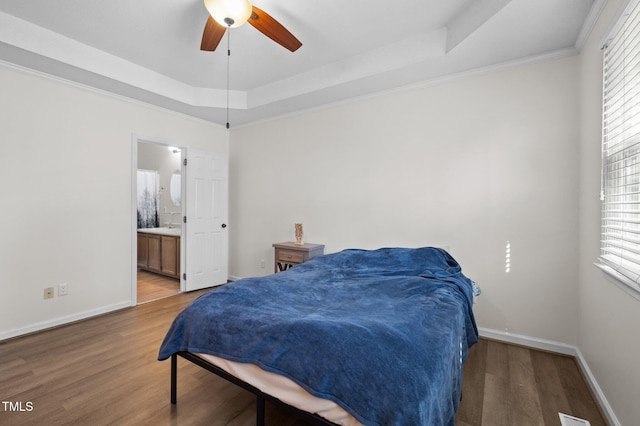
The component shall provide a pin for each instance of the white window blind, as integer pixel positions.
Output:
(620, 228)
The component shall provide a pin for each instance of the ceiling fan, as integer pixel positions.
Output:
(225, 14)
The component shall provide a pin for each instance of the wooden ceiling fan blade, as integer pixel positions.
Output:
(273, 29)
(212, 35)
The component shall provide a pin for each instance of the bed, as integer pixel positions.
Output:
(379, 335)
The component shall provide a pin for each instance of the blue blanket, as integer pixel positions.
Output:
(382, 333)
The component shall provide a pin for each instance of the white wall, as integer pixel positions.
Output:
(470, 164)
(609, 318)
(66, 167)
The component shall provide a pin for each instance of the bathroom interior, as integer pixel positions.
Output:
(159, 221)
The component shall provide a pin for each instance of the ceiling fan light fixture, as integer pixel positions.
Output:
(229, 13)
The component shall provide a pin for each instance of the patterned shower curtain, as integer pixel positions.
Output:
(148, 202)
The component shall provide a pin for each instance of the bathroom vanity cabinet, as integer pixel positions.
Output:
(159, 253)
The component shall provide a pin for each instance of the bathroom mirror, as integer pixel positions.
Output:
(174, 188)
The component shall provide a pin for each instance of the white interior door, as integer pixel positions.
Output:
(206, 257)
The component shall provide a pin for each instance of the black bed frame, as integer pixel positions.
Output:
(261, 397)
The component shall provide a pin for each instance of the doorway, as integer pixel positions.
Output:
(158, 209)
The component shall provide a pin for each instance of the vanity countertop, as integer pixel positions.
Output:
(175, 232)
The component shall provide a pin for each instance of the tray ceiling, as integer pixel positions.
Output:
(149, 50)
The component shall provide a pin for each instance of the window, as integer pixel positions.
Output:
(620, 227)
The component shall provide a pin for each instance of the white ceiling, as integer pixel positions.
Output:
(149, 49)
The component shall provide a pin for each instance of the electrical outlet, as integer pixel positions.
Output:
(48, 293)
(262, 263)
(63, 290)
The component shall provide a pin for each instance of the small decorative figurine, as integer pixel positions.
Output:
(298, 227)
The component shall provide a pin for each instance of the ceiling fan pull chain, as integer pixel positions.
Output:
(228, 59)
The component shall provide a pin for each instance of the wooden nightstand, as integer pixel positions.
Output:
(291, 254)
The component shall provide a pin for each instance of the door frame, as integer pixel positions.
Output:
(135, 139)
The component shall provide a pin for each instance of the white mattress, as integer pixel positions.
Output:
(285, 389)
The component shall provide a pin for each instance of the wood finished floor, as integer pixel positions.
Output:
(104, 371)
(154, 286)
(513, 385)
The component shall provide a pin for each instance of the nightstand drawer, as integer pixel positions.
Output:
(290, 256)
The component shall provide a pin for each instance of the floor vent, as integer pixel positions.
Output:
(568, 420)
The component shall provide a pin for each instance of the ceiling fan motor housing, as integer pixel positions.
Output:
(229, 13)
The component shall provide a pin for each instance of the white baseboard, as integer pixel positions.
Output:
(549, 345)
(519, 339)
(606, 407)
(62, 320)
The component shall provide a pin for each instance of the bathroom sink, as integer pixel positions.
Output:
(162, 231)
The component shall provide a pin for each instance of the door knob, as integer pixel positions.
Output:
(224, 225)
